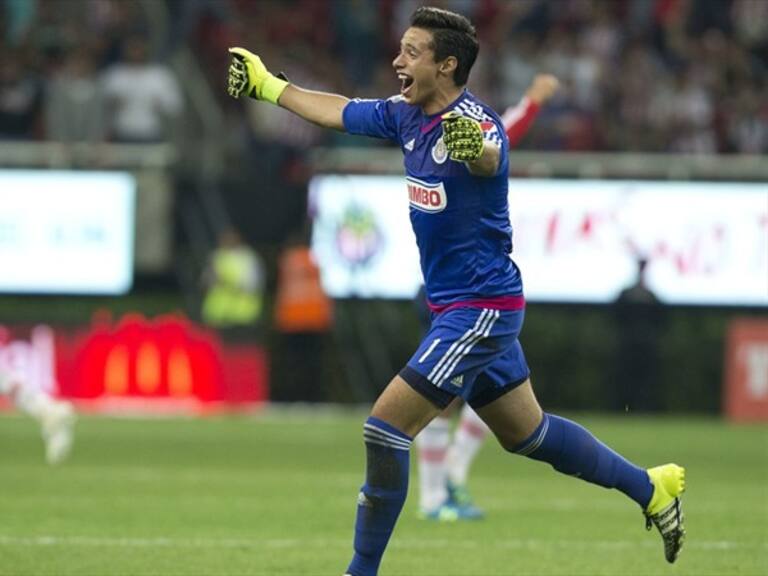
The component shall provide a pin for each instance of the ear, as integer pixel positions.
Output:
(448, 66)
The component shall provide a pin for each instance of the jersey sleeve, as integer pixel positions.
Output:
(492, 131)
(518, 119)
(377, 118)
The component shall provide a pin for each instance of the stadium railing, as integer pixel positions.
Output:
(567, 164)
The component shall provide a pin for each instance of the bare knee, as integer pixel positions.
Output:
(404, 408)
(513, 417)
(513, 435)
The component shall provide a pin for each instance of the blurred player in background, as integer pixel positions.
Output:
(56, 417)
(445, 458)
(456, 162)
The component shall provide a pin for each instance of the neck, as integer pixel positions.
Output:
(441, 99)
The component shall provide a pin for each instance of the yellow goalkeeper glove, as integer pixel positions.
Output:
(248, 75)
(463, 137)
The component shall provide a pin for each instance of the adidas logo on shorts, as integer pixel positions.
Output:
(458, 380)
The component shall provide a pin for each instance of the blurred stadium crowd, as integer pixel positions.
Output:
(639, 75)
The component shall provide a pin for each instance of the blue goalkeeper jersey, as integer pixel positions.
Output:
(461, 221)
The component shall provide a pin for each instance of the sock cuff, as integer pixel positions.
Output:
(531, 444)
(379, 432)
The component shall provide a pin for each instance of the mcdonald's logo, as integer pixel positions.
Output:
(166, 357)
(116, 371)
(179, 373)
(148, 371)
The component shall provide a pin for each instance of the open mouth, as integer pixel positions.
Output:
(406, 83)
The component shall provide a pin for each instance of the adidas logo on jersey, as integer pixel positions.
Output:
(458, 380)
(409, 145)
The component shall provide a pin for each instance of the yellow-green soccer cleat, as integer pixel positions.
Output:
(665, 510)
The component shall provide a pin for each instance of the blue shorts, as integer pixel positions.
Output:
(473, 353)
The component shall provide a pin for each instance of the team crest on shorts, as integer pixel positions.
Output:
(439, 151)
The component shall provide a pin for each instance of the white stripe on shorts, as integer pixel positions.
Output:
(464, 344)
(451, 349)
(432, 346)
(469, 345)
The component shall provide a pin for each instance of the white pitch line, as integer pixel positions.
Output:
(94, 541)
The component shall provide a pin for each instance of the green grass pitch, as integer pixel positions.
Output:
(274, 494)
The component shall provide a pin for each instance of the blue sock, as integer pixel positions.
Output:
(382, 496)
(572, 450)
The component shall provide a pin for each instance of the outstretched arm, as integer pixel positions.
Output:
(248, 76)
(320, 108)
(518, 119)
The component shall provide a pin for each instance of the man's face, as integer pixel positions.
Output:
(416, 67)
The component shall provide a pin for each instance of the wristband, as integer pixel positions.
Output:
(272, 88)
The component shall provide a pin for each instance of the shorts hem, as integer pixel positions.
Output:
(440, 398)
(492, 394)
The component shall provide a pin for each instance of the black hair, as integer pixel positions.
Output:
(452, 35)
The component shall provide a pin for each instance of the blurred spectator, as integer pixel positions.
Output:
(750, 21)
(358, 35)
(18, 16)
(187, 17)
(748, 123)
(53, 30)
(518, 65)
(234, 281)
(302, 305)
(303, 315)
(109, 23)
(75, 104)
(639, 324)
(688, 115)
(142, 97)
(21, 98)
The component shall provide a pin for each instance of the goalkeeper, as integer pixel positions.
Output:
(456, 168)
(445, 457)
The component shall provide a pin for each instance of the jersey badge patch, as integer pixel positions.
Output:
(439, 151)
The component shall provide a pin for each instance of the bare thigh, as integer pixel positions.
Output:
(513, 417)
(453, 408)
(404, 408)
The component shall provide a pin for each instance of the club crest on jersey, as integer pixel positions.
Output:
(439, 151)
(426, 197)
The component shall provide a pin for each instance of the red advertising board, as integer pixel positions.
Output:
(746, 371)
(166, 364)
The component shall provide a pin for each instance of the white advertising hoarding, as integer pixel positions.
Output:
(574, 240)
(66, 232)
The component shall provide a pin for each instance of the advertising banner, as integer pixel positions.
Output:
(163, 364)
(746, 373)
(705, 243)
(66, 232)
